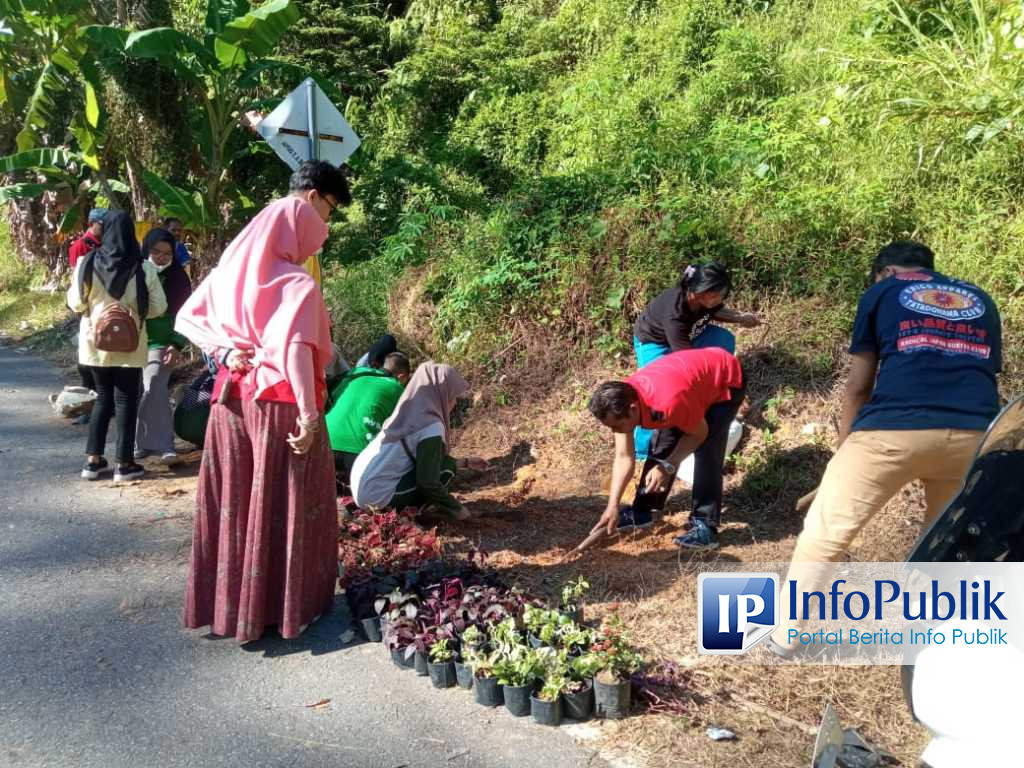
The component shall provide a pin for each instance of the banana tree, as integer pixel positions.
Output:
(65, 182)
(45, 68)
(222, 71)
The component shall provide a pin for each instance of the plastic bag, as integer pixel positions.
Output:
(73, 401)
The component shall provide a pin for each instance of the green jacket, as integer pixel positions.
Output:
(363, 400)
(161, 333)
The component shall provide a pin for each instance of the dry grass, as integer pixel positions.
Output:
(545, 492)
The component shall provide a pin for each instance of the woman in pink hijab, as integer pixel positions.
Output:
(264, 545)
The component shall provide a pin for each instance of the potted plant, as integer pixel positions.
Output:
(546, 706)
(472, 640)
(574, 638)
(616, 662)
(398, 638)
(572, 598)
(420, 649)
(485, 684)
(442, 664)
(553, 628)
(361, 597)
(518, 673)
(578, 693)
(534, 618)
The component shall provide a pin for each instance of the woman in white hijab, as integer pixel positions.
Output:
(407, 464)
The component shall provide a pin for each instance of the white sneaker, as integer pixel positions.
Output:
(168, 458)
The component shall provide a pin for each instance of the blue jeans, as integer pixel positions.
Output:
(648, 352)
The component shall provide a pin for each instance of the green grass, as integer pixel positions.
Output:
(554, 165)
(31, 316)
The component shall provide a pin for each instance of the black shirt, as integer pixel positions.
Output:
(668, 320)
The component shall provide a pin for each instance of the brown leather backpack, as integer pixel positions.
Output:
(116, 330)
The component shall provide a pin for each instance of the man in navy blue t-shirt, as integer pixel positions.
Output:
(921, 392)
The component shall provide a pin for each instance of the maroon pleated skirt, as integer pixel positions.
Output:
(264, 546)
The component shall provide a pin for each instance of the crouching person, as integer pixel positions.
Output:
(362, 402)
(408, 463)
(690, 397)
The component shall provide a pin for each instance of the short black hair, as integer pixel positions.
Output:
(396, 363)
(170, 220)
(698, 278)
(612, 398)
(324, 178)
(903, 253)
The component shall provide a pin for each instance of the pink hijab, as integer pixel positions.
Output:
(425, 401)
(259, 298)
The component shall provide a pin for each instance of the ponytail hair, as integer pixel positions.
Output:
(699, 278)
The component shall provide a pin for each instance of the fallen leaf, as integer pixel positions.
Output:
(321, 703)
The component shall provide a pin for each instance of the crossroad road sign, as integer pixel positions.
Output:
(307, 126)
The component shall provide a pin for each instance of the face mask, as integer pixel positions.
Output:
(158, 267)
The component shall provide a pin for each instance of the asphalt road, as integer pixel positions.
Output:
(97, 671)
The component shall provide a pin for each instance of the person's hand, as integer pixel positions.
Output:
(657, 480)
(239, 361)
(609, 521)
(171, 356)
(476, 463)
(303, 441)
(750, 320)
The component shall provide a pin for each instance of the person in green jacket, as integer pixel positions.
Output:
(361, 402)
(155, 431)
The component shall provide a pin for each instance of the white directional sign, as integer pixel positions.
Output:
(307, 126)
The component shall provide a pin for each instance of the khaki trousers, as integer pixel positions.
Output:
(869, 468)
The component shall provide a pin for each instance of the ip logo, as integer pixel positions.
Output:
(735, 611)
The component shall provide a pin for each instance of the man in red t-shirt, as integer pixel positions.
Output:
(91, 239)
(690, 397)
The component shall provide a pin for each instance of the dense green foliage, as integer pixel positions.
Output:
(553, 164)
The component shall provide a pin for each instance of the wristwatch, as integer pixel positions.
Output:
(668, 466)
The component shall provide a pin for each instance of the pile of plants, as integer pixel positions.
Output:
(381, 543)
(461, 625)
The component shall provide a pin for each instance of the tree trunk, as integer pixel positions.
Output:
(146, 111)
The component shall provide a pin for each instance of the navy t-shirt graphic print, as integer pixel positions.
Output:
(939, 345)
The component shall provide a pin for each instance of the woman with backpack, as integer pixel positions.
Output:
(115, 291)
(155, 433)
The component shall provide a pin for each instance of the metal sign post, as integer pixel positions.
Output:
(314, 138)
(307, 126)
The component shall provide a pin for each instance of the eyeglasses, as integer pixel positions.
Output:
(332, 206)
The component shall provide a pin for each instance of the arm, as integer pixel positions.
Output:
(622, 473)
(430, 455)
(859, 386)
(302, 379)
(300, 375)
(746, 319)
(157, 297)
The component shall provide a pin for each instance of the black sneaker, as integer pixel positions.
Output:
(630, 520)
(93, 470)
(128, 472)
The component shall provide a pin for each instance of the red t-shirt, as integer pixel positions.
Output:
(676, 390)
(81, 246)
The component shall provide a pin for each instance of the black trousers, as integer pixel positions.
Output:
(343, 471)
(708, 463)
(88, 380)
(118, 391)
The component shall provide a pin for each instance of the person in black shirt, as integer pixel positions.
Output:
(680, 318)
